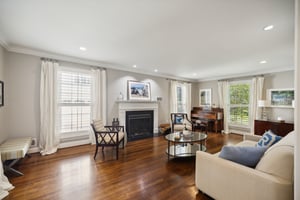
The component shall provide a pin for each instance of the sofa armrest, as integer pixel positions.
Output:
(223, 179)
(252, 137)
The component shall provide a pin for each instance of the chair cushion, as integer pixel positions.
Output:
(268, 139)
(245, 155)
(98, 125)
(109, 140)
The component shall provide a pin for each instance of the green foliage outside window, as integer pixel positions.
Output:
(239, 103)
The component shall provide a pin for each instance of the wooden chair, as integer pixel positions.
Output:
(179, 121)
(107, 136)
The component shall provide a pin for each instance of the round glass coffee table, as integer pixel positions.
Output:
(180, 145)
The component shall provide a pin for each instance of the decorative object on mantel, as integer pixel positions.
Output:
(121, 97)
(281, 97)
(115, 122)
(139, 91)
(1, 93)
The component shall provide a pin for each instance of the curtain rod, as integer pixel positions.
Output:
(241, 77)
(170, 79)
(92, 66)
(49, 59)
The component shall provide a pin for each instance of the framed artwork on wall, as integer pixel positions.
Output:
(205, 97)
(281, 97)
(139, 90)
(1, 93)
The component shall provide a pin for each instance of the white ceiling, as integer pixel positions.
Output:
(213, 38)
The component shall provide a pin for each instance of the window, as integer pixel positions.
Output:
(239, 99)
(74, 100)
(181, 98)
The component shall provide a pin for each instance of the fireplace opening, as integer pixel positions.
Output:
(139, 124)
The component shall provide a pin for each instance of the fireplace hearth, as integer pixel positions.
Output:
(139, 124)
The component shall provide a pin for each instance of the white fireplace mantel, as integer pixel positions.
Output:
(138, 105)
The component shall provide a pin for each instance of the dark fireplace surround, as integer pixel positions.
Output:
(139, 124)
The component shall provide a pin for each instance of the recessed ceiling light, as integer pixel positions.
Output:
(82, 48)
(134, 66)
(263, 62)
(156, 70)
(194, 74)
(269, 27)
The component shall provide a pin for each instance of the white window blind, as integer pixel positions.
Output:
(74, 100)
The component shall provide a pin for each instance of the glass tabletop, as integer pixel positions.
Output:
(192, 137)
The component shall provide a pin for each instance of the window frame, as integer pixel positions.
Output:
(183, 97)
(77, 133)
(240, 105)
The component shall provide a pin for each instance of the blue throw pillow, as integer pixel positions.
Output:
(245, 155)
(268, 139)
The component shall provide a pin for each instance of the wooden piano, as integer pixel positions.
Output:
(213, 116)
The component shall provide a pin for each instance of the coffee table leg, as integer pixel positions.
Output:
(168, 150)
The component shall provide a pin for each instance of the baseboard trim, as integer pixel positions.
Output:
(74, 143)
(34, 150)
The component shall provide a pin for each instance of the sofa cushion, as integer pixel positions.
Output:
(245, 155)
(278, 160)
(268, 139)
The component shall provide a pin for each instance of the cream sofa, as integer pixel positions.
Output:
(271, 179)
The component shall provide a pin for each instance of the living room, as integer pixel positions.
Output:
(20, 71)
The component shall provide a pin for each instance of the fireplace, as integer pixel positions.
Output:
(126, 106)
(139, 124)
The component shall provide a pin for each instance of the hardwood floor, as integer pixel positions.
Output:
(142, 172)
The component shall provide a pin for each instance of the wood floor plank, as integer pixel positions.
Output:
(142, 172)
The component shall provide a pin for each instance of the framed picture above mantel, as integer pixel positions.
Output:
(139, 90)
(281, 97)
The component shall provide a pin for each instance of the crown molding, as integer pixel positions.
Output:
(55, 56)
(236, 76)
(3, 42)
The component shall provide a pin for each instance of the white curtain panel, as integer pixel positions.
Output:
(188, 87)
(49, 139)
(173, 97)
(223, 91)
(98, 98)
(257, 92)
(5, 185)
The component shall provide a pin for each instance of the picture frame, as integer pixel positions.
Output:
(281, 97)
(1, 93)
(138, 90)
(205, 97)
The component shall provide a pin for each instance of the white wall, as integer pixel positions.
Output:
(117, 82)
(3, 133)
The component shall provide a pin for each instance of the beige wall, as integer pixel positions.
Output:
(3, 133)
(22, 75)
(281, 80)
(213, 85)
(117, 82)
(278, 80)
